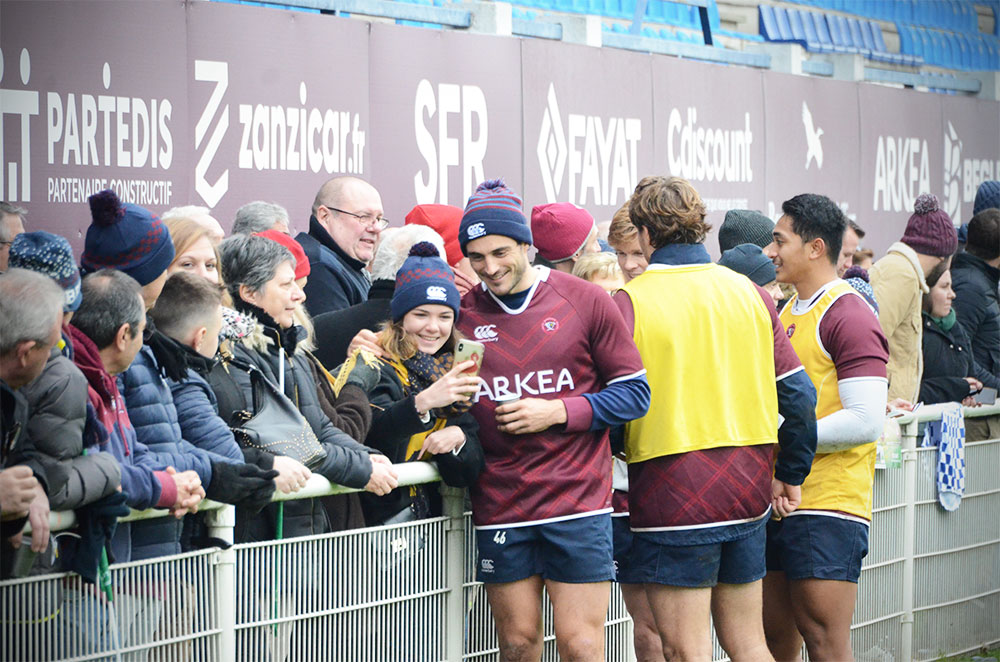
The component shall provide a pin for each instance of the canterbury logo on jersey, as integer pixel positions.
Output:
(486, 333)
(533, 383)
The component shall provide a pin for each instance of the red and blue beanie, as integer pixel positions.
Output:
(424, 278)
(126, 237)
(493, 209)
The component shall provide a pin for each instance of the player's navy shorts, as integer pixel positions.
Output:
(817, 547)
(574, 551)
(621, 532)
(739, 561)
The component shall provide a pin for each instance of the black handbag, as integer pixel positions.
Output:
(274, 425)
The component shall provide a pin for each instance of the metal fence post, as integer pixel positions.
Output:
(909, 535)
(221, 524)
(455, 555)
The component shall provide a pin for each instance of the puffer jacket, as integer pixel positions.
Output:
(898, 282)
(58, 404)
(273, 351)
(144, 480)
(948, 360)
(153, 414)
(394, 421)
(977, 306)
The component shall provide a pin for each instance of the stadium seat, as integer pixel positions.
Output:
(799, 33)
(767, 24)
(823, 32)
(857, 38)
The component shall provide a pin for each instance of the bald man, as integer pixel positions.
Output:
(344, 229)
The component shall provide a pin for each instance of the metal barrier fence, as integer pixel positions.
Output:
(929, 587)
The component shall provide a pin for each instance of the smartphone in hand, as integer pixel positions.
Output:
(987, 396)
(470, 350)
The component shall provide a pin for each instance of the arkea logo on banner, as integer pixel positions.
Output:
(443, 152)
(702, 154)
(963, 177)
(603, 170)
(814, 148)
(92, 132)
(902, 173)
(273, 137)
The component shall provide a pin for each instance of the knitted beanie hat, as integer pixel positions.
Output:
(745, 226)
(302, 267)
(560, 229)
(930, 230)
(443, 219)
(424, 278)
(749, 260)
(50, 255)
(493, 209)
(126, 237)
(987, 196)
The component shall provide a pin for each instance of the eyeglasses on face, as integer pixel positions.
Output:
(368, 220)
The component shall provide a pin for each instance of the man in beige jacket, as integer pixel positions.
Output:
(899, 281)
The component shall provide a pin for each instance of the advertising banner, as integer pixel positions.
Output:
(588, 125)
(273, 118)
(971, 135)
(812, 139)
(901, 156)
(446, 115)
(710, 130)
(88, 100)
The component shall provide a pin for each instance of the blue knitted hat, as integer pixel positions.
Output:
(424, 278)
(126, 237)
(493, 209)
(52, 256)
(749, 260)
(987, 196)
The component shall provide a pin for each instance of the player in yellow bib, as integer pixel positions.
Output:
(814, 554)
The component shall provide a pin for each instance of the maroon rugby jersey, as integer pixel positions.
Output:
(567, 339)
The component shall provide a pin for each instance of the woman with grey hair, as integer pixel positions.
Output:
(260, 275)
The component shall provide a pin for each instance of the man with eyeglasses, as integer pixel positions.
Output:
(11, 225)
(343, 231)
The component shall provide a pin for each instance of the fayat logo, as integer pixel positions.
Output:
(272, 137)
(814, 148)
(442, 152)
(437, 293)
(486, 333)
(962, 177)
(596, 157)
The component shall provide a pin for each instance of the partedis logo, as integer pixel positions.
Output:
(597, 155)
(89, 130)
(272, 137)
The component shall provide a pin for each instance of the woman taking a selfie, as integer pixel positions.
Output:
(420, 406)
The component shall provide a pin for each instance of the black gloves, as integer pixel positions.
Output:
(97, 522)
(243, 484)
(363, 376)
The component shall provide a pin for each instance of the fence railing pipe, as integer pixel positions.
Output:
(221, 524)
(909, 452)
(453, 502)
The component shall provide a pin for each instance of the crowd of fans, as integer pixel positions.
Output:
(705, 435)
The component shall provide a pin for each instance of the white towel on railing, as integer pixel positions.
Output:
(948, 435)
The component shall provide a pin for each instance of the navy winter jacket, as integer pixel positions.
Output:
(336, 280)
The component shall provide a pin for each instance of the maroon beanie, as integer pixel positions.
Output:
(560, 229)
(930, 230)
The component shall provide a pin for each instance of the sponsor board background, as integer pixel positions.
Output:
(275, 64)
(601, 87)
(371, 73)
(76, 67)
(793, 104)
(724, 101)
(439, 100)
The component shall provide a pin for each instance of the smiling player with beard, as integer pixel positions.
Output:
(542, 505)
